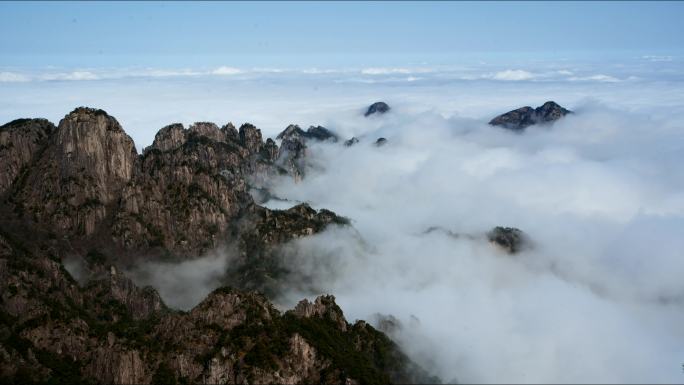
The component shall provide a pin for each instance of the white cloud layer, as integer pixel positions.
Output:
(513, 75)
(7, 76)
(599, 299)
(226, 71)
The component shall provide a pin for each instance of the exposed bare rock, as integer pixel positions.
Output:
(377, 108)
(228, 309)
(351, 142)
(324, 307)
(278, 226)
(250, 138)
(261, 266)
(291, 131)
(292, 156)
(115, 365)
(380, 142)
(318, 133)
(141, 303)
(230, 132)
(321, 133)
(170, 137)
(510, 239)
(269, 151)
(209, 130)
(72, 185)
(550, 112)
(184, 199)
(183, 196)
(523, 117)
(21, 141)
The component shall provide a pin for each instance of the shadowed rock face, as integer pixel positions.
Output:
(20, 142)
(377, 108)
(293, 147)
(380, 142)
(351, 142)
(523, 117)
(319, 133)
(510, 239)
(260, 265)
(78, 174)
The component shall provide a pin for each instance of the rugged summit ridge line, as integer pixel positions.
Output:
(523, 117)
(80, 190)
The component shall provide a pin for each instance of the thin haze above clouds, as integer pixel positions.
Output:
(598, 299)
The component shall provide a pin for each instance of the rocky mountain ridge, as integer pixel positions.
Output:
(83, 179)
(80, 189)
(523, 117)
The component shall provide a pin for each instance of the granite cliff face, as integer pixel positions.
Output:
(80, 190)
(188, 188)
(77, 173)
(181, 197)
(523, 117)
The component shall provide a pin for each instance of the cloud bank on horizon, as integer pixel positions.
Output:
(145, 99)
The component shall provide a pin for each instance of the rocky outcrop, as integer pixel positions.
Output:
(250, 138)
(323, 307)
(380, 142)
(188, 189)
(377, 108)
(509, 239)
(352, 141)
(184, 195)
(20, 142)
(524, 117)
(141, 303)
(292, 154)
(79, 175)
(170, 137)
(261, 266)
(319, 133)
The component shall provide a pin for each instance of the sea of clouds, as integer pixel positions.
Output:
(600, 296)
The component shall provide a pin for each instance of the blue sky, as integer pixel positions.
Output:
(154, 33)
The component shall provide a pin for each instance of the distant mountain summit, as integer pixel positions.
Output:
(313, 132)
(377, 108)
(293, 146)
(523, 117)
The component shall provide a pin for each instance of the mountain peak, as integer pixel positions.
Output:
(377, 108)
(523, 117)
